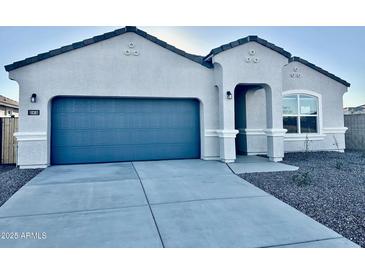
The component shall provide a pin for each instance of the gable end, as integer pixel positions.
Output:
(242, 41)
(325, 72)
(42, 56)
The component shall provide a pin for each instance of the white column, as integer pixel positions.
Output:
(275, 144)
(32, 149)
(275, 131)
(227, 132)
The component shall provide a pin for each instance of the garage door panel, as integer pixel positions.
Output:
(109, 137)
(68, 121)
(164, 151)
(83, 154)
(108, 130)
(122, 120)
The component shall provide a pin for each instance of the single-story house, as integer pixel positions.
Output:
(126, 95)
(8, 107)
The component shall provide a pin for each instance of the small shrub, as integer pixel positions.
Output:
(339, 164)
(306, 146)
(302, 179)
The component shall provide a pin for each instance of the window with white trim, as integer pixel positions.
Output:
(300, 113)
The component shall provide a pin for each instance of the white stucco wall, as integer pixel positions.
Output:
(331, 135)
(102, 69)
(252, 63)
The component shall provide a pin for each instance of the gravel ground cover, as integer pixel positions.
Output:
(12, 179)
(329, 187)
(4, 168)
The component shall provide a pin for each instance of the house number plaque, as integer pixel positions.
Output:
(33, 112)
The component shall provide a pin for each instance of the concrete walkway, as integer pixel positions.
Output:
(251, 164)
(182, 203)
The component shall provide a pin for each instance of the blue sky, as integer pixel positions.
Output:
(340, 50)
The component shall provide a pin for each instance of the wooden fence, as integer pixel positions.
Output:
(8, 148)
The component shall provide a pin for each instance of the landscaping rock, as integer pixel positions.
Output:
(12, 179)
(334, 194)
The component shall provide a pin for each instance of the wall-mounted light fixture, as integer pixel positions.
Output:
(33, 98)
(229, 95)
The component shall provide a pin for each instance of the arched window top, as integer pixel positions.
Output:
(300, 112)
(304, 104)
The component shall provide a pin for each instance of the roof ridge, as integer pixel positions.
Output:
(102, 37)
(202, 60)
(242, 41)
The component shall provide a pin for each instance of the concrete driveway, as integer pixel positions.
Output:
(182, 203)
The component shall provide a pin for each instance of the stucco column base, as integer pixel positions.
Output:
(227, 145)
(32, 150)
(275, 159)
(275, 143)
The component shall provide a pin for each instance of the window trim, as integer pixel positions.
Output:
(299, 136)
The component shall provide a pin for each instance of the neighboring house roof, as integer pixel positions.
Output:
(4, 101)
(355, 110)
(205, 61)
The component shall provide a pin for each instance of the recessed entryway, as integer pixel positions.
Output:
(250, 119)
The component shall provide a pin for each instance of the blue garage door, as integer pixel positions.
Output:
(96, 130)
